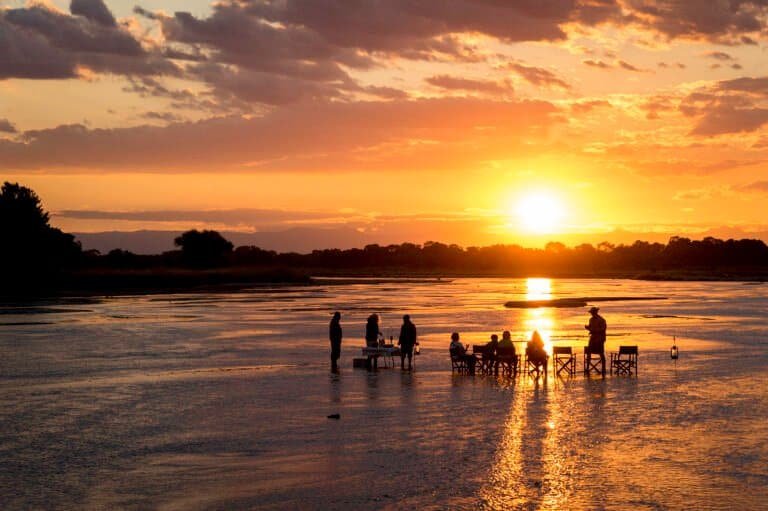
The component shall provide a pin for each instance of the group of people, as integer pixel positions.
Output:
(407, 339)
(534, 350)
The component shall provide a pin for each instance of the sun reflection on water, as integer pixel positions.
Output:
(539, 318)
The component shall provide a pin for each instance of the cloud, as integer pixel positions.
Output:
(597, 63)
(427, 133)
(455, 83)
(730, 106)
(7, 126)
(629, 67)
(40, 43)
(620, 64)
(728, 22)
(388, 27)
(719, 55)
(94, 10)
(750, 85)
(537, 75)
(582, 107)
(26, 54)
(232, 217)
(757, 186)
(162, 116)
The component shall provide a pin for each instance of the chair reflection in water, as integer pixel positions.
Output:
(563, 360)
(624, 361)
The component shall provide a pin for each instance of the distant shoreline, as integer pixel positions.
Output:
(178, 280)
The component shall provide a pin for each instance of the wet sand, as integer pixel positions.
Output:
(221, 402)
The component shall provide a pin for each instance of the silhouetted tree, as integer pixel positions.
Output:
(31, 250)
(203, 248)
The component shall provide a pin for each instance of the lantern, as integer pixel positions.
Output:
(674, 353)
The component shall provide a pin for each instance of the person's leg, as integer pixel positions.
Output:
(410, 359)
(402, 359)
(602, 361)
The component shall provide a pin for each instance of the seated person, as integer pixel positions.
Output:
(506, 343)
(535, 350)
(456, 347)
(459, 350)
(490, 353)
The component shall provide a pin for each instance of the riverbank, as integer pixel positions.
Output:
(113, 282)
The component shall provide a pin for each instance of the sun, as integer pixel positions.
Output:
(540, 213)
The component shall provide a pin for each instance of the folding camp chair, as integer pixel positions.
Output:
(508, 361)
(536, 365)
(485, 358)
(623, 361)
(458, 362)
(563, 359)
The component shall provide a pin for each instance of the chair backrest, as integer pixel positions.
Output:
(505, 351)
(455, 352)
(562, 350)
(627, 350)
(479, 348)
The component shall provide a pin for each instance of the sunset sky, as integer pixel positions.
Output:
(470, 122)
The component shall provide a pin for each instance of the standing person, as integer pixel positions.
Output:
(597, 328)
(372, 333)
(406, 341)
(334, 334)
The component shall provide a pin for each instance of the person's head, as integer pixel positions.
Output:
(336, 316)
(455, 337)
(594, 311)
(494, 337)
(536, 336)
(505, 335)
(373, 318)
(406, 319)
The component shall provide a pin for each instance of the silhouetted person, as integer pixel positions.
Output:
(334, 334)
(536, 353)
(372, 337)
(597, 328)
(506, 342)
(505, 351)
(490, 353)
(406, 341)
(459, 350)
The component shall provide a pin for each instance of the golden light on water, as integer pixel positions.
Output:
(539, 319)
(538, 289)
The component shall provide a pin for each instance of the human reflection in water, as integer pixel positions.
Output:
(334, 334)
(536, 354)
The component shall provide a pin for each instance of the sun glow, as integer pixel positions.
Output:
(540, 213)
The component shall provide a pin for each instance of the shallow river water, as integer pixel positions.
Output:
(220, 401)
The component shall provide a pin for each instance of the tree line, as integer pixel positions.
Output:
(33, 250)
